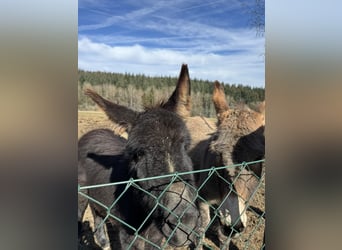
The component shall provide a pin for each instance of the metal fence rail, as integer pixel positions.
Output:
(251, 238)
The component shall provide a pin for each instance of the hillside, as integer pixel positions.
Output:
(137, 91)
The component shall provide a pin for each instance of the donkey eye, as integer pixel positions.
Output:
(185, 144)
(138, 154)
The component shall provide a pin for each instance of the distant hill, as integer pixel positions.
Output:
(138, 90)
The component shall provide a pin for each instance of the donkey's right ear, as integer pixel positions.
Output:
(261, 107)
(115, 112)
(262, 110)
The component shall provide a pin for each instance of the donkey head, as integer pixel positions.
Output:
(239, 138)
(157, 144)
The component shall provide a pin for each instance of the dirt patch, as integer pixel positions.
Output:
(203, 126)
(89, 120)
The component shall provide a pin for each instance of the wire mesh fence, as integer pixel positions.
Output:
(221, 218)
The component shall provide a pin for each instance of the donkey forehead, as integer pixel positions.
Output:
(159, 126)
(159, 114)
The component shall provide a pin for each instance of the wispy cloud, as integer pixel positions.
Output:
(233, 68)
(155, 37)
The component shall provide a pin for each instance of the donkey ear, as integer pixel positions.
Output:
(180, 100)
(219, 99)
(115, 112)
(262, 111)
(261, 107)
(107, 161)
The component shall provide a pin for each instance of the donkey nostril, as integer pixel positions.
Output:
(239, 227)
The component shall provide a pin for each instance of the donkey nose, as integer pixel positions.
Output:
(239, 227)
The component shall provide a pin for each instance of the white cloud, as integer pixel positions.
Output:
(241, 68)
(154, 38)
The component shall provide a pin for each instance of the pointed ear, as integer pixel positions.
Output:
(262, 111)
(107, 161)
(219, 99)
(180, 100)
(115, 112)
(261, 107)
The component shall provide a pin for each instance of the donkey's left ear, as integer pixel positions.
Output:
(219, 99)
(180, 100)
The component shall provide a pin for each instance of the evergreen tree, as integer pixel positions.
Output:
(139, 90)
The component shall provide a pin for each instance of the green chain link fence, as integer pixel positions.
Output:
(252, 236)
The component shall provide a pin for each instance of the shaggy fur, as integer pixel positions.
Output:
(157, 144)
(239, 138)
(200, 127)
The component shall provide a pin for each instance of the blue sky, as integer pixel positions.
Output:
(215, 38)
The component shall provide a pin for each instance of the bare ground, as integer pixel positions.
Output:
(251, 238)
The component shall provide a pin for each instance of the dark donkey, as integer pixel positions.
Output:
(157, 144)
(239, 138)
(101, 142)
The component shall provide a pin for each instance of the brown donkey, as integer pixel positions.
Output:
(239, 138)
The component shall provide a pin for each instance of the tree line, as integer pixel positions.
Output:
(138, 91)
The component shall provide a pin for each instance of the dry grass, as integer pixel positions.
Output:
(89, 120)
